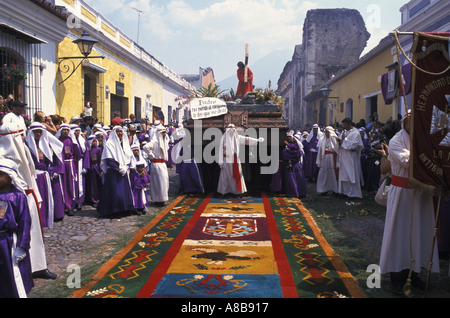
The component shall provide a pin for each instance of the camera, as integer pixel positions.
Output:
(378, 145)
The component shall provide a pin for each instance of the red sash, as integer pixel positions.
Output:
(400, 182)
(31, 191)
(237, 173)
(158, 161)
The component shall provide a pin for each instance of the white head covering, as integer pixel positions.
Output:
(71, 134)
(80, 140)
(12, 147)
(311, 134)
(323, 141)
(163, 141)
(12, 170)
(231, 143)
(48, 143)
(362, 129)
(298, 138)
(90, 139)
(117, 150)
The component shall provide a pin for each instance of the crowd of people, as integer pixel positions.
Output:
(56, 167)
(51, 168)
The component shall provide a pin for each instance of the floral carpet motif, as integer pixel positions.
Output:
(259, 246)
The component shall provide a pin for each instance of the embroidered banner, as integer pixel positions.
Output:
(430, 146)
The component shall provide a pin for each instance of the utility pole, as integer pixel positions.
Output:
(139, 21)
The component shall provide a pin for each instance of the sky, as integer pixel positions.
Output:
(188, 34)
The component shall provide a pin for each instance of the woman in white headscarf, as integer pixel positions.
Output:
(328, 147)
(46, 151)
(157, 150)
(231, 179)
(117, 160)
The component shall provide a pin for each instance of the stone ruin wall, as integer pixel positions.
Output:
(333, 39)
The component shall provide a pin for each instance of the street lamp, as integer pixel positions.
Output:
(325, 91)
(85, 44)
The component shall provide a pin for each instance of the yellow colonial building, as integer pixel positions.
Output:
(118, 78)
(356, 91)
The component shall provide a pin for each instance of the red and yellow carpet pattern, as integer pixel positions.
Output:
(257, 246)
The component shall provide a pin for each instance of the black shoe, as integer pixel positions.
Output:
(342, 196)
(398, 290)
(136, 212)
(322, 194)
(417, 282)
(113, 216)
(44, 274)
(70, 213)
(79, 206)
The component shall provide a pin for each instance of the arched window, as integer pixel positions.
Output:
(349, 109)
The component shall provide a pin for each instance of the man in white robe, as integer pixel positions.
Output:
(231, 179)
(157, 150)
(396, 246)
(15, 116)
(350, 146)
(326, 161)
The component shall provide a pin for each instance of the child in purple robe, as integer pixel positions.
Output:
(140, 181)
(71, 155)
(94, 174)
(45, 151)
(15, 224)
(82, 168)
(293, 176)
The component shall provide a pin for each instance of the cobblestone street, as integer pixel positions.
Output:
(88, 241)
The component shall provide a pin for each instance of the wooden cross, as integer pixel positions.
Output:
(246, 64)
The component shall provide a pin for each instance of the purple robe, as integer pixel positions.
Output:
(312, 170)
(116, 193)
(277, 184)
(293, 176)
(71, 155)
(139, 182)
(16, 220)
(93, 177)
(365, 160)
(86, 165)
(170, 162)
(44, 164)
(190, 178)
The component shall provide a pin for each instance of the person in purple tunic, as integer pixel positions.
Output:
(71, 155)
(140, 181)
(15, 226)
(294, 179)
(313, 142)
(82, 168)
(46, 152)
(171, 161)
(190, 176)
(117, 160)
(94, 174)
